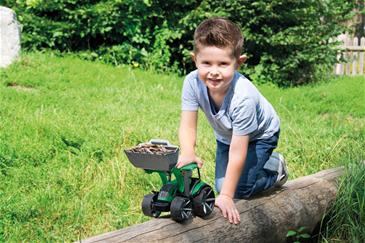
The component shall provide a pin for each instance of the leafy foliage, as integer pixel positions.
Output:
(298, 236)
(288, 42)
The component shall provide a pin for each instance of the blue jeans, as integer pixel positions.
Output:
(254, 178)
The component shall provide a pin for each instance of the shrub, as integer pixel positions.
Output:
(288, 42)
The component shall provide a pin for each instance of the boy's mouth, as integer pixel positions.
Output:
(214, 82)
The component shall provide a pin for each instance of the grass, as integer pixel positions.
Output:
(64, 124)
(345, 221)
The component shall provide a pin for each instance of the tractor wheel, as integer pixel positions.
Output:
(147, 202)
(181, 209)
(203, 203)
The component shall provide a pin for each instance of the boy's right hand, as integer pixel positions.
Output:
(188, 159)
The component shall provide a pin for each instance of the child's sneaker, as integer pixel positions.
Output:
(282, 170)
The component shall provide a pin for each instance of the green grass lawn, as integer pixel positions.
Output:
(64, 124)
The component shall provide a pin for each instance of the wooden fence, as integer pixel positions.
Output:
(353, 50)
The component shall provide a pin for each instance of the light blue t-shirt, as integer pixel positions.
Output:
(244, 110)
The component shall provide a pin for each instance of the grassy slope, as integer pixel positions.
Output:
(63, 172)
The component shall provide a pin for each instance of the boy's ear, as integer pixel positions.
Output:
(242, 59)
(193, 57)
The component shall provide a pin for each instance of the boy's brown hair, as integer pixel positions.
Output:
(219, 32)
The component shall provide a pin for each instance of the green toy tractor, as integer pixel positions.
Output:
(184, 196)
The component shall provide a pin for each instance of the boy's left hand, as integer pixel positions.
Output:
(228, 208)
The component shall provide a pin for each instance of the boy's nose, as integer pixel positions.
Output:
(214, 72)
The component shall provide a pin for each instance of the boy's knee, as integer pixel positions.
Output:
(219, 184)
(244, 192)
(241, 192)
(263, 181)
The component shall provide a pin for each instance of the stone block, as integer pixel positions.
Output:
(9, 37)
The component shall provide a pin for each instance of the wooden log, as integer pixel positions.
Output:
(266, 218)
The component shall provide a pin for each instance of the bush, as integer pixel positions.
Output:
(288, 42)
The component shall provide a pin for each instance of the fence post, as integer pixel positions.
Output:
(361, 58)
(348, 55)
(355, 43)
(339, 67)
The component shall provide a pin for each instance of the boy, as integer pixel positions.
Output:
(245, 124)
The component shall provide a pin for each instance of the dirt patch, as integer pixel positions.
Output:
(19, 87)
(152, 149)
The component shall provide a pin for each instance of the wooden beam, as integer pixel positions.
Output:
(266, 218)
(353, 48)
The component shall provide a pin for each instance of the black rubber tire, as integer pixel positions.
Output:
(147, 205)
(181, 209)
(203, 203)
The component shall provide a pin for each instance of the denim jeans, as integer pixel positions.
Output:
(254, 177)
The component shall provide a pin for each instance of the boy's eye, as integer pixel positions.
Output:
(224, 64)
(205, 63)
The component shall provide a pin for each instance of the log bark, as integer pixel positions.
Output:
(265, 218)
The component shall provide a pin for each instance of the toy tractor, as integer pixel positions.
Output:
(184, 196)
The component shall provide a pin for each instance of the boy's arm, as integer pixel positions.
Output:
(187, 138)
(237, 157)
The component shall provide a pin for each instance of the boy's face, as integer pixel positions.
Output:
(216, 67)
